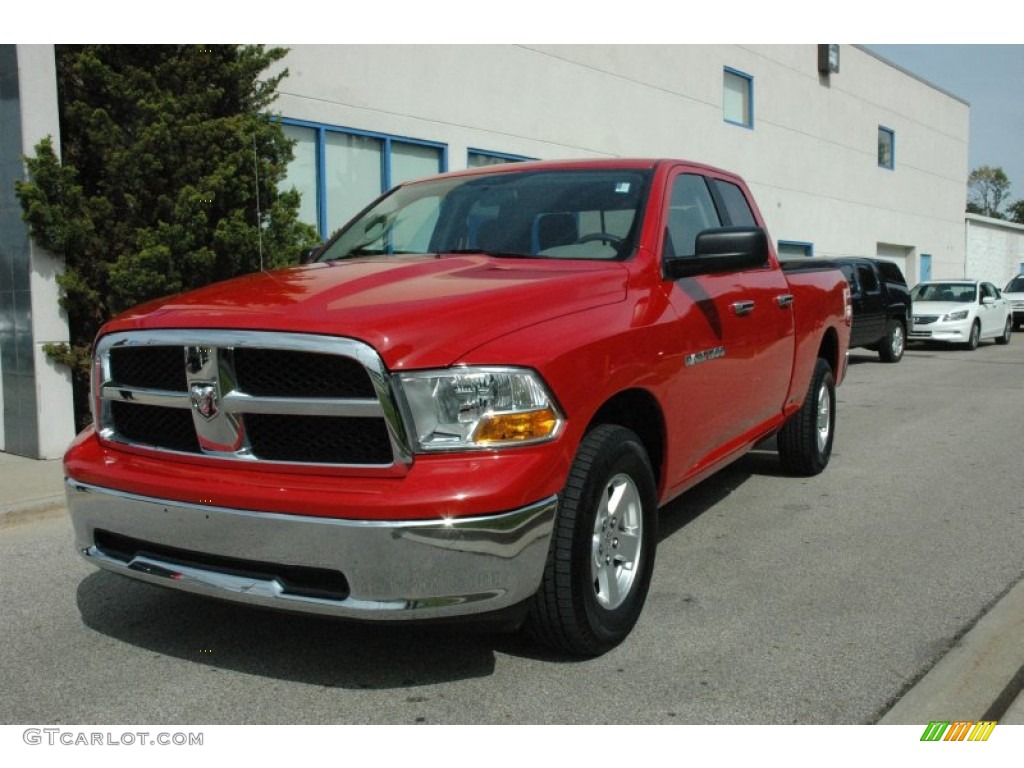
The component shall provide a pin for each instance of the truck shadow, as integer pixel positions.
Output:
(762, 461)
(294, 647)
(338, 654)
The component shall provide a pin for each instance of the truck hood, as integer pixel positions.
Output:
(416, 312)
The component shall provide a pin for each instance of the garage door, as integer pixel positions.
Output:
(898, 254)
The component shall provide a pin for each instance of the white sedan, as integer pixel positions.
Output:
(960, 312)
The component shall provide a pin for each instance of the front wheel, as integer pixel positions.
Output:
(975, 338)
(805, 441)
(602, 549)
(1007, 332)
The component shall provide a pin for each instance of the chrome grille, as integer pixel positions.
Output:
(154, 426)
(319, 439)
(149, 367)
(310, 374)
(249, 396)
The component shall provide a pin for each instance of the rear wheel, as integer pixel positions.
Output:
(1007, 332)
(602, 549)
(805, 442)
(891, 348)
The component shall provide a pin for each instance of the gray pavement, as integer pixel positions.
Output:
(29, 487)
(980, 678)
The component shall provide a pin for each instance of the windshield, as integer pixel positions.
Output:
(1016, 285)
(559, 214)
(961, 293)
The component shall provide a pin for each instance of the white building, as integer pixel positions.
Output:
(994, 249)
(846, 156)
(869, 160)
(37, 417)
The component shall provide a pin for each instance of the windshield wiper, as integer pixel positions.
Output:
(355, 252)
(496, 254)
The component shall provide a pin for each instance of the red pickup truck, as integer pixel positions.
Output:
(472, 402)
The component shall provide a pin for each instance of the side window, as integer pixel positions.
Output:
(738, 98)
(478, 158)
(867, 278)
(851, 278)
(790, 249)
(690, 210)
(886, 148)
(737, 209)
(891, 272)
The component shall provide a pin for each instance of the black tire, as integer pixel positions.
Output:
(895, 341)
(805, 441)
(1007, 333)
(592, 593)
(975, 338)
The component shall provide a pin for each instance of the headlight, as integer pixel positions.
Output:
(465, 408)
(961, 315)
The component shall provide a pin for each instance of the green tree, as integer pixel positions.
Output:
(165, 151)
(1016, 212)
(987, 189)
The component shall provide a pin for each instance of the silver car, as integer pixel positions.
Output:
(1014, 293)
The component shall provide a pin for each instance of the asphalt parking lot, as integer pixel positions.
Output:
(775, 599)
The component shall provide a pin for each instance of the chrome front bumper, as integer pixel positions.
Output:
(423, 569)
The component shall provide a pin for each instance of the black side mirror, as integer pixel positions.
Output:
(728, 249)
(308, 255)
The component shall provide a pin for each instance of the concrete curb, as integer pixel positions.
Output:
(27, 509)
(980, 678)
(29, 487)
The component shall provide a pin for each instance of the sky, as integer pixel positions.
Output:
(990, 78)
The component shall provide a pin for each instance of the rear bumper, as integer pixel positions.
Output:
(424, 569)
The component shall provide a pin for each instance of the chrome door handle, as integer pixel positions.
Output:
(743, 307)
(784, 300)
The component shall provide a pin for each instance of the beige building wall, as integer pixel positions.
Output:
(811, 156)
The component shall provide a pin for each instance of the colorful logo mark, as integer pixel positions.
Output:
(958, 730)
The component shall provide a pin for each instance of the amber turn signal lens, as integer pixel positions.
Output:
(516, 427)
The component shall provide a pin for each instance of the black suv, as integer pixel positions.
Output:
(881, 302)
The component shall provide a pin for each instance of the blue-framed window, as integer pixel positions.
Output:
(478, 158)
(886, 147)
(339, 170)
(738, 97)
(795, 249)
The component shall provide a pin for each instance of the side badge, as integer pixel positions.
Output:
(704, 356)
